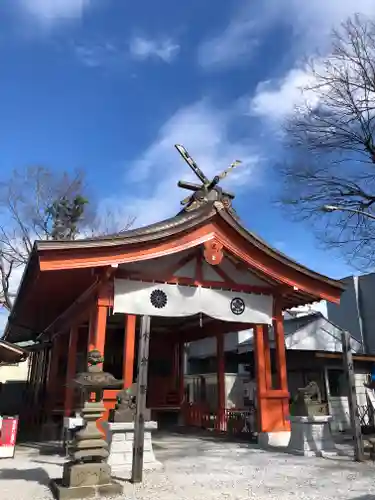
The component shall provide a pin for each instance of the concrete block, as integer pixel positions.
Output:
(121, 449)
(274, 439)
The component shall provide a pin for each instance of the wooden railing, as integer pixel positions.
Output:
(233, 421)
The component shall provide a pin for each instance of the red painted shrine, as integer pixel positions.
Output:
(84, 294)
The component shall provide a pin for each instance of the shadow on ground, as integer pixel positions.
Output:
(36, 475)
(43, 448)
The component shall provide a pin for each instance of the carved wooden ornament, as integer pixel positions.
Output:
(213, 252)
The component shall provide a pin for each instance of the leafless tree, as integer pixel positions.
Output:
(29, 211)
(331, 154)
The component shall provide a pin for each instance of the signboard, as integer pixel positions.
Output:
(73, 423)
(8, 436)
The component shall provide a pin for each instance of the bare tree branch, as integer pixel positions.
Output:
(39, 204)
(331, 154)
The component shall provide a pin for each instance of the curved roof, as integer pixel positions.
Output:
(74, 260)
(10, 353)
(181, 223)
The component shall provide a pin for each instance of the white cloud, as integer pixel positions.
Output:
(115, 55)
(144, 48)
(50, 11)
(98, 55)
(312, 23)
(153, 177)
(227, 49)
(277, 99)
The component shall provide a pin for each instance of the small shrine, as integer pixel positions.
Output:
(196, 275)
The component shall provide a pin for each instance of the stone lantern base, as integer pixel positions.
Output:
(120, 436)
(311, 436)
(85, 481)
(87, 474)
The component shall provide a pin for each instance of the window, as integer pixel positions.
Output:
(338, 386)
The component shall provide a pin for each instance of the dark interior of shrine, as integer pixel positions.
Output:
(165, 334)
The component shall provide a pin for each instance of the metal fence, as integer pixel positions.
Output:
(366, 418)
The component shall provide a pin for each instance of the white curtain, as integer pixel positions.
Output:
(160, 299)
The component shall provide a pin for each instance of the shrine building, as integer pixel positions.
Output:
(199, 274)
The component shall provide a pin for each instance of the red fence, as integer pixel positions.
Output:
(233, 421)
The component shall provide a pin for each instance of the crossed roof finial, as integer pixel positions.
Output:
(206, 191)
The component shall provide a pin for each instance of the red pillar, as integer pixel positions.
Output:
(129, 348)
(92, 328)
(273, 403)
(96, 339)
(282, 377)
(70, 371)
(97, 326)
(98, 323)
(220, 380)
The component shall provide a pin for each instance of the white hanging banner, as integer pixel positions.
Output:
(161, 299)
(235, 306)
(154, 299)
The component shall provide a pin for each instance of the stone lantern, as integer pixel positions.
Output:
(87, 473)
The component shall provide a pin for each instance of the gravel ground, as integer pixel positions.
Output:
(204, 469)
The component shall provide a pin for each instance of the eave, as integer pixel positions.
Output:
(188, 231)
(75, 262)
(11, 354)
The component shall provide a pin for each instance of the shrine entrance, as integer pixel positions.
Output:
(187, 299)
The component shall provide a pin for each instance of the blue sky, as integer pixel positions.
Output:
(111, 85)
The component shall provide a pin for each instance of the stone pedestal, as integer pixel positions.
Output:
(120, 436)
(85, 481)
(311, 436)
(274, 439)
